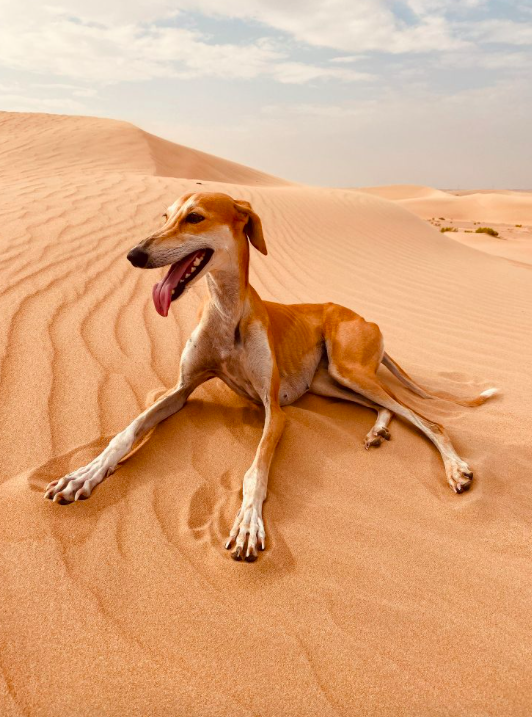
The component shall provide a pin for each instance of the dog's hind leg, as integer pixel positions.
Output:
(354, 352)
(380, 429)
(324, 385)
(79, 484)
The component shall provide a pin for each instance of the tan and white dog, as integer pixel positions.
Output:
(270, 353)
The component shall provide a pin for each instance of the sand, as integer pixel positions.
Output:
(508, 212)
(381, 592)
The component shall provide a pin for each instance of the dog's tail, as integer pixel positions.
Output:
(405, 379)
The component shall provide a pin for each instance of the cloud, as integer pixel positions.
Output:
(491, 61)
(346, 59)
(501, 31)
(343, 25)
(105, 43)
(298, 73)
(424, 7)
(104, 12)
(102, 52)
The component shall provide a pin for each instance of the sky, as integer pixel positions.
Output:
(325, 92)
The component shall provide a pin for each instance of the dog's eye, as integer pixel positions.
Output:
(194, 218)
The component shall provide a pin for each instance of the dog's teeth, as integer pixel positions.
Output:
(187, 275)
(197, 261)
(181, 281)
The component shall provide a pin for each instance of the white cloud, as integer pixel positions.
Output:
(346, 59)
(65, 46)
(343, 25)
(106, 12)
(104, 42)
(424, 7)
(506, 32)
(298, 73)
(490, 61)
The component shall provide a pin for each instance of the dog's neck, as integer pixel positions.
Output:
(229, 286)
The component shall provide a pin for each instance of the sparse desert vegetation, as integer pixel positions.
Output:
(487, 230)
(448, 229)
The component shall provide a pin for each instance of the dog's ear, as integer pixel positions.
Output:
(253, 226)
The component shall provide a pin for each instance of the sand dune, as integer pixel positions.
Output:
(74, 144)
(507, 212)
(174, 160)
(496, 206)
(380, 592)
(399, 192)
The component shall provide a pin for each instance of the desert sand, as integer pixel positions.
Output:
(380, 592)
(508, 212)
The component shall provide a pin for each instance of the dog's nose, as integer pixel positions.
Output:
(138, 257)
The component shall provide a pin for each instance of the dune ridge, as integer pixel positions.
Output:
(380, 592)
(508, 212)
(502, 206)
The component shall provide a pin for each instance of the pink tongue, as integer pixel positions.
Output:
(162, 291)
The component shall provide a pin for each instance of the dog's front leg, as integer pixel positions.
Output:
(248, 523)
(79, 484)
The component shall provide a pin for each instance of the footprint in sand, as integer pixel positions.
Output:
(206, 509)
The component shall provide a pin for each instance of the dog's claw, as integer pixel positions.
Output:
(237, 553)
(79, 484)
(463, 487)
(247, 533)
(374, 437)
(459, 476)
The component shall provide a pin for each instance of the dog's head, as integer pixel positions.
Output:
(200, 233)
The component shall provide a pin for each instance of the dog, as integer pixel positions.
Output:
(267, 352)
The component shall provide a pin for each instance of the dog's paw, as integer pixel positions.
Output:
(247, 534)
(375, 437)
(79, 484)
(459, 476)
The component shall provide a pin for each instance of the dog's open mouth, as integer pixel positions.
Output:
(178, 276)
